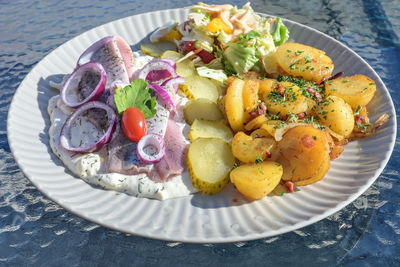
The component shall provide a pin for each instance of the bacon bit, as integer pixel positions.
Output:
(268, 154)
(253, 114)
(261, 110)
(317, 95)
(359, 119)
(290, 186)
(235, 200)
(263, 107)
(335, 152)
(281, 89)
(301, 115)
(307, 141)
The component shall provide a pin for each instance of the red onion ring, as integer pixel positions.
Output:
(146, 144)
(65, 130)
(174, 82)
(156, 65)
(73, 81)
(164, 95)
(88, 53)
(170, 61)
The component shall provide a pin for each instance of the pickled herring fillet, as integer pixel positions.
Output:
(116, 57)
(174, 161)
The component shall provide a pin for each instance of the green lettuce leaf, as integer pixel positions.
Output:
(135, 95)
(280, 33)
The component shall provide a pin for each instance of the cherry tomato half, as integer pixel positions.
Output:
(134, 124)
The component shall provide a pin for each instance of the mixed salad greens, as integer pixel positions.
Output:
(224, 40)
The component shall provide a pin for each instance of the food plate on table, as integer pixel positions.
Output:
(223, 217)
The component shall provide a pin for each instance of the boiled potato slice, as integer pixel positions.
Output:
(303, 150)
(255, 181)
(196, 87)
(249, 150)
(357, 90)
(304, 61)
(203, 109)
(184, 68)
(336, 114)
(292, 102)
(210, 129)
(209, 162)
(157, 49)
(250, 97)
(233, 103)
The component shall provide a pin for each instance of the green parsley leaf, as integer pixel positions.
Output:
(357, 112)
(135, 95)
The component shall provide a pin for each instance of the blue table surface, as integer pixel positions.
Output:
(36, 231)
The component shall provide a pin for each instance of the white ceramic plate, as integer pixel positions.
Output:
(224, 217)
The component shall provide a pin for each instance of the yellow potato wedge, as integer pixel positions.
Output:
(303, 151)
(255, 181)
(357, 90)
(304, 61)
(203, 109)
(250, 97)
(249, 150)
(209, 162)
(196, 87)
(336, 114)
(233, 103)
(210, 129)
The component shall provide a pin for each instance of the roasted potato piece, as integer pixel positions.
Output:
(259, 133)
(209, 162)
(271, 126)
(248, 149)
(304, 61)
(250, 97)
(233, 103)
(286, 99)
(196, 87)
(210, 129)
(303, 151)
(201, 108)
(265, 87)
(255, 181)
(317, 176)
(357, 90)
(336, 114)
(255, 123)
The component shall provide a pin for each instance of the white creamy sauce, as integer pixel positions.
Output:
(91, 166)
